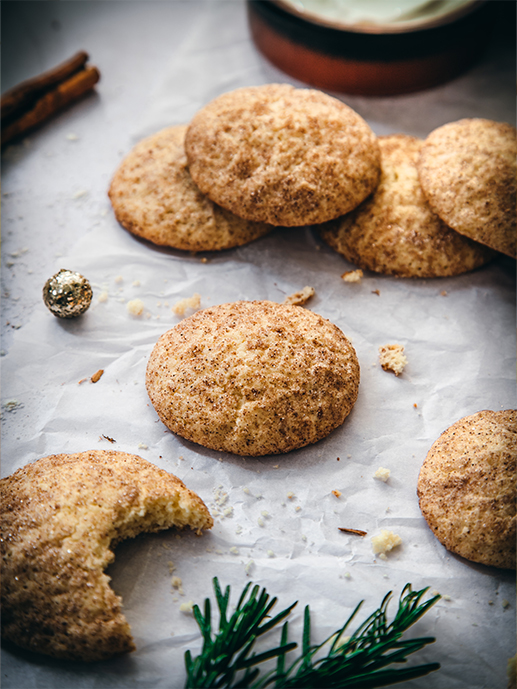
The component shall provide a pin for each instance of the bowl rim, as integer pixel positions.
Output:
(373, 28)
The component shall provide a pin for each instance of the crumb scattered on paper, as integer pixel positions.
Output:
(192, 303)
(135, 307)
(382, 474)
(385, 542)
(352, 275)
(186, 608)
(177, 583)
(392, 358)
(300, 298)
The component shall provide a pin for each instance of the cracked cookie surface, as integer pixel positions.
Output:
(253, 378)
(282, 155)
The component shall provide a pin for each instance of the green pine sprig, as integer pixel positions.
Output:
(360, 661)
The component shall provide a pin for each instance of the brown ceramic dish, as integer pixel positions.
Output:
(370, 59)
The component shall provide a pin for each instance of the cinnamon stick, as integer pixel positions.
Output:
(24, 95)
(52, 101)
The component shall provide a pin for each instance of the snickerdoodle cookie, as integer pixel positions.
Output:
(253, 378)
(282, 155)
(154, 197)
(395, 231)
(60, 518)
(467, 490)
(468, 172)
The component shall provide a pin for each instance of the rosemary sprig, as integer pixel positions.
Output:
(355, 662)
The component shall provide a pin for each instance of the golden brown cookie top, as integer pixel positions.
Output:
(60, 517)
(468, 172)
(154, 197)
(467, 490)
(253, 378)
(394, 231)
(282, 155)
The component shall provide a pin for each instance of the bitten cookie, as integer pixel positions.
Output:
(253, 378)
(60, 518)
(282, 155)
(468, 172)
(467, 490)
(394, 231)
(153, 196)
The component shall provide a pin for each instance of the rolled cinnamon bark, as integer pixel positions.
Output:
(53, 101)
(24, 95)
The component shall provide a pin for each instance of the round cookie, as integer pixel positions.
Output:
(282, 155)
(466, 488)
(154, 197)
(468, 172)
(253, 378)
(394, 231)
(60, 517)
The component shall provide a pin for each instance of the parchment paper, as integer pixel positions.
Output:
(276, 518)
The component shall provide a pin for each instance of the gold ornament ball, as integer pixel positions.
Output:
(67, 294)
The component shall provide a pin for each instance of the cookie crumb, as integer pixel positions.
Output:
(187, 608)
(392, 358)
(352, 275)
(300, 298)
(191, 303)
(337, 493)
(382, 474)
(177, 583)
(135, 307)
(385, 542)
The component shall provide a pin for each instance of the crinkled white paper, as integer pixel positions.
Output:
(276, 518)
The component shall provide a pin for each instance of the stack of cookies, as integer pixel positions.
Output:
(250, 160)
(444, 206)
(274, 155)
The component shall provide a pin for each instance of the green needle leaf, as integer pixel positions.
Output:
(360, 662)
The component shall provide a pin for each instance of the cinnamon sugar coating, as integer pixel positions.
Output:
(282, 155)
(466, 487)
(154, 197)
(60, 518)
(468, 170)
(253, 378)
(394, 231)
